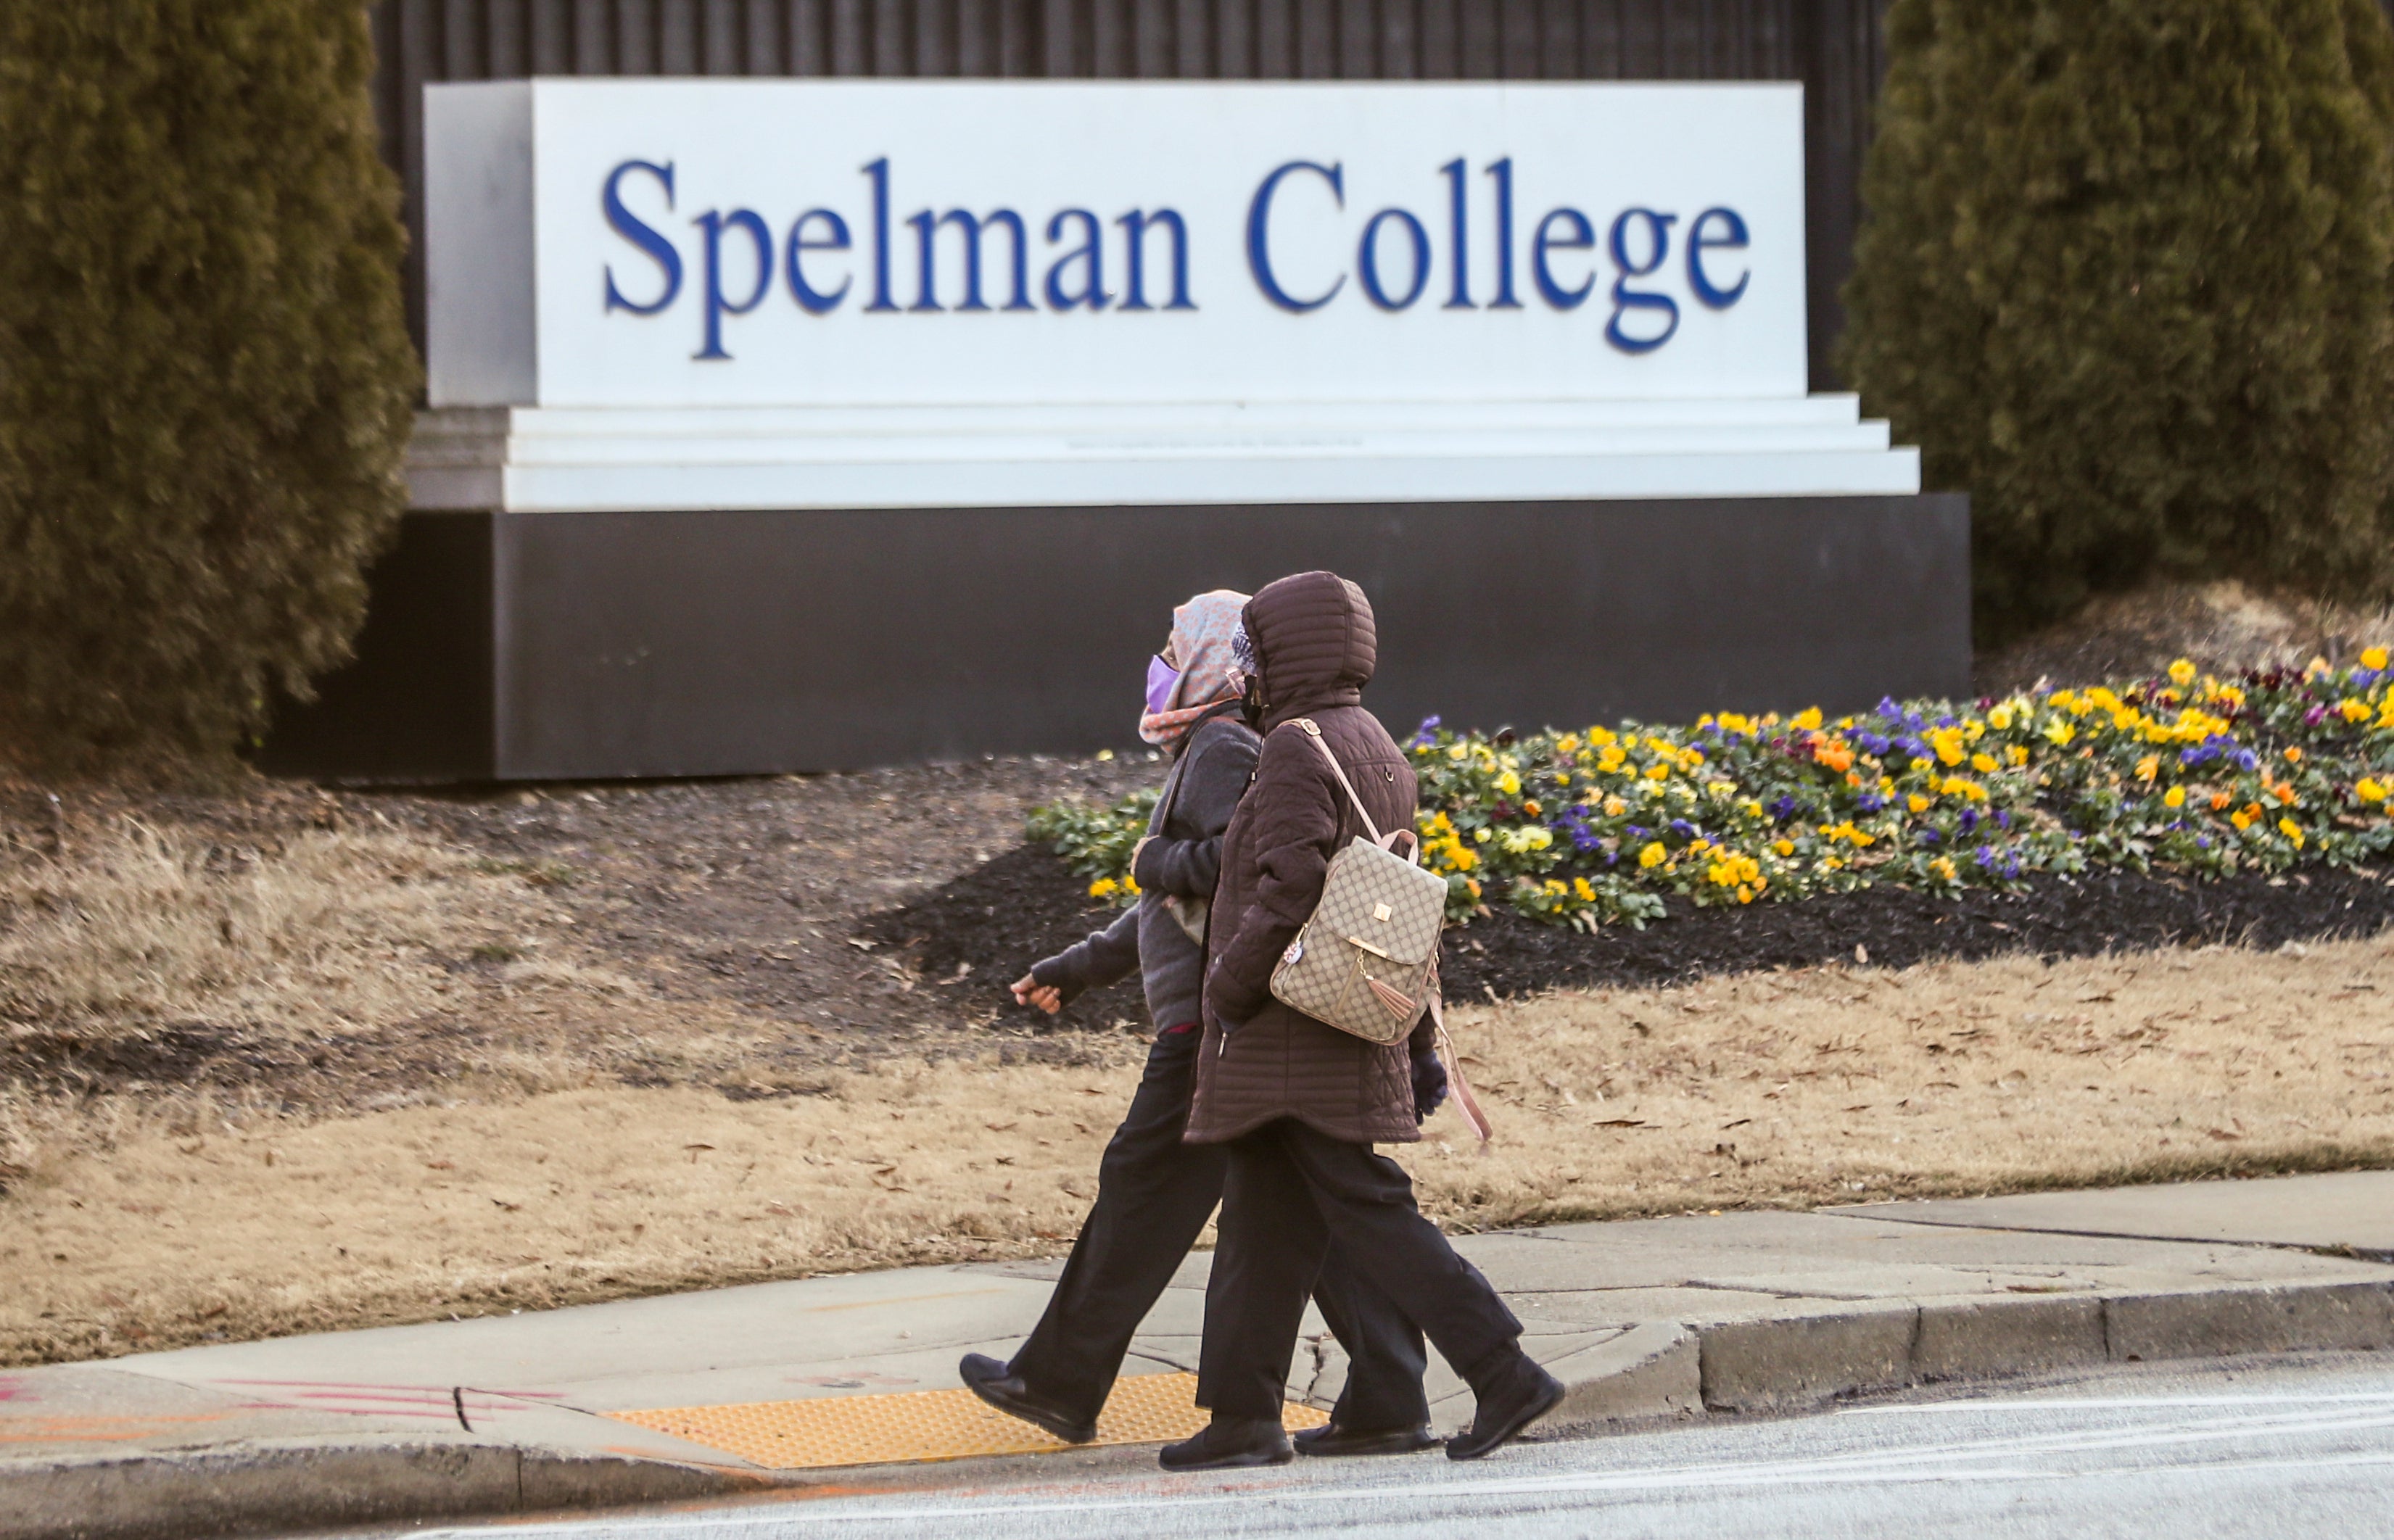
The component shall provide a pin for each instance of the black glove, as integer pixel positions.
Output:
(1429, 1082)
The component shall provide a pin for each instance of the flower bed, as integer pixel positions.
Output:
(2181, 774)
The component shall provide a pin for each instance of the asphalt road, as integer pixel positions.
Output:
(2287, 1449)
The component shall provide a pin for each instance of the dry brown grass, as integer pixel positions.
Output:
(149, 1225)
(135, 925)
(2225, 627)
(1829, 1085)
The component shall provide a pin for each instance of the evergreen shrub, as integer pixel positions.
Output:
(205, 379)
(2127, 277)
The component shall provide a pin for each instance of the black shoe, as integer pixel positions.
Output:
(997, 1384)
(1330, 1440)
(1228, 1441)
(1520, 1400)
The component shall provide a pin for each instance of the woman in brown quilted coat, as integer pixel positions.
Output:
(1300, 1103)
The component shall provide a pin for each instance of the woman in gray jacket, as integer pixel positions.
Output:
(1155, 1192)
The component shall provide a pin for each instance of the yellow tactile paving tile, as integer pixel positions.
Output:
(928, 1425)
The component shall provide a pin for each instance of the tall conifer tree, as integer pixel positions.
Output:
(2127, 277)
(205, 380)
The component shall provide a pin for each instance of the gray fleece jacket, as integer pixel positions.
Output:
(1183, 858)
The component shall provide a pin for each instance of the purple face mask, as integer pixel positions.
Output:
(1162, 680)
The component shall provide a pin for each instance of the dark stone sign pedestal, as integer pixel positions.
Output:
(536, 646)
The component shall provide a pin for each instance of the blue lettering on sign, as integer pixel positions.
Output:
(1582, 238)
(713, 225)
(1259, 260)
(624, 222)
(1089, 254)
(1135, 224)
(1367, 259)
(1459, 296)
(1625, 299)
(1154, 254)
(1501, 173)
(814, 301)
(971, 228)
(1732, 237)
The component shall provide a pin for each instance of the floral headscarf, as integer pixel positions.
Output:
(1201, 645)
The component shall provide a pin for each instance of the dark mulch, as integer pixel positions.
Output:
(999, 919)
(2101, 912)
(1026, 904)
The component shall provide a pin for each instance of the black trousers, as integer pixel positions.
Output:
(1154, 1196)
(1293, 1195)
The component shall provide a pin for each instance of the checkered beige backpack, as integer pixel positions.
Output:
(1366, 962)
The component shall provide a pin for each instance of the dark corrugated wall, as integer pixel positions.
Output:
(1833, 46)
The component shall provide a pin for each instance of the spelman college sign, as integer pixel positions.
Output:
(800, 425)
(1112, 293)
(744, 242)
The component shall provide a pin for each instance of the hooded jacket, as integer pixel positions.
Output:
(1314, 647)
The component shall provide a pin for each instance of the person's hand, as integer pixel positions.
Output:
(1030, 991)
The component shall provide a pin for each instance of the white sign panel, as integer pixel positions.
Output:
(787, 244)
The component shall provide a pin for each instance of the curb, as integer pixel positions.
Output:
(262, 1488)
(1794, 1364)
(1660, 1370)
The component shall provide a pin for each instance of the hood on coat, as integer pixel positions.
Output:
(1314, 644)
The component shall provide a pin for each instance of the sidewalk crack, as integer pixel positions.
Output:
(1320, 1367)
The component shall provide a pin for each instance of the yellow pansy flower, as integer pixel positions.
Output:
(2181, 673)
(2174, 797)
(2372, 657)
(1653, 855)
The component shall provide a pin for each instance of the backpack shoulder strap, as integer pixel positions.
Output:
(1338, 770)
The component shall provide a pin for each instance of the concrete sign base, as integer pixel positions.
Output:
(567, 645)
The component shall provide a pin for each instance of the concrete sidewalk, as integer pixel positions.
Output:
(1655, 1318)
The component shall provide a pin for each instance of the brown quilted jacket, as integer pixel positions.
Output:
(1315, 648)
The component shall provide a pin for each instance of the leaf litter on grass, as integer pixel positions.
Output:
(1783, 1089)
